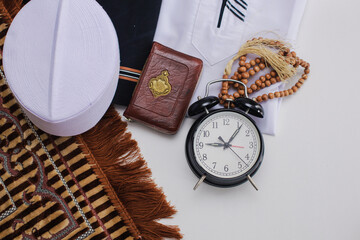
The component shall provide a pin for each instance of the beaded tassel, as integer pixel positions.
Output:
(283, 65)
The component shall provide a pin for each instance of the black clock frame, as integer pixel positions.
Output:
(200, 171)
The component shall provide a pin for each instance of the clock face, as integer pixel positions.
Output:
(227, 144)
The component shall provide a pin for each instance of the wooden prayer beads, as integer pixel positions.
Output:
(248, 69)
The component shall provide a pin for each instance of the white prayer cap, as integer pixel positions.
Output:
(61, 60)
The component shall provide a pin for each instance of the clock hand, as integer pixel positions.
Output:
(234, 134)
(221, 139)
(225, 143)
(239, 157)
(215, 144)
(235, 146)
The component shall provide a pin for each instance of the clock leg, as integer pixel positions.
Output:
(252, 182)
(199, 182)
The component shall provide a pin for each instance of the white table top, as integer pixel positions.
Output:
(310, 177)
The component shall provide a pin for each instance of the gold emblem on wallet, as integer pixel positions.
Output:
(160, 85)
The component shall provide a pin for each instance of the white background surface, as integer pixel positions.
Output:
(310, 177)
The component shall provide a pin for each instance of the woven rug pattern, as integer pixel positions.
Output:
(91, 186)
(47, 186)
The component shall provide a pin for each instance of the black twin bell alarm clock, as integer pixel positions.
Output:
(224, 147)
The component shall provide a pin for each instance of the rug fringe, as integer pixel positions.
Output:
(109, 190)
(119, 166)
(119, 158)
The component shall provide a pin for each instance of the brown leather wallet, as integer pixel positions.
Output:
(164, 90)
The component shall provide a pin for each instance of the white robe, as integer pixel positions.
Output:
(191, 26)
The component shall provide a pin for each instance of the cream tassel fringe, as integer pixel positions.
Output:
(265, 48)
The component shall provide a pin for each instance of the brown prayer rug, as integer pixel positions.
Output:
(92, 186)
